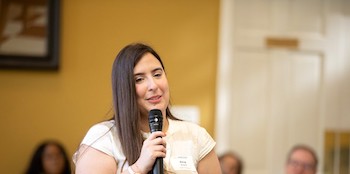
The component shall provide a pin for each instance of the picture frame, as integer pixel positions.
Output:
(29, 34)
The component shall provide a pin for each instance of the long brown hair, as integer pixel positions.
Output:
(126, 109)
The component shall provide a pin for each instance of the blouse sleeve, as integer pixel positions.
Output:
(100, 137)
(205, 143)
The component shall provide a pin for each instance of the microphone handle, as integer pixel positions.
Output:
(158, 166)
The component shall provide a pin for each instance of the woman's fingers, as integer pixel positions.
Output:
(158, 140)
(155, 138)
(153, 147)
(156, 134)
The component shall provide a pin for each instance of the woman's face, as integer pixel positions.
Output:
(53, 160)
(151, 84)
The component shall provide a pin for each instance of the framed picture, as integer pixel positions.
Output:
(29, 34)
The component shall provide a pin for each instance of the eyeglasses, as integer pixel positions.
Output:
(305, 166)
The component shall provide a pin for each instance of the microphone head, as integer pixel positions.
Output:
(155, 120)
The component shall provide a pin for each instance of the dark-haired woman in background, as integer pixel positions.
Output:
(49, 157)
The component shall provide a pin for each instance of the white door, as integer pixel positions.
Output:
(275, 93)
(275, 104)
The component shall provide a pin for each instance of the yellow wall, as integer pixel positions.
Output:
(36, 105)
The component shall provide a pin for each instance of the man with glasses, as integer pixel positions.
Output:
(301, 159)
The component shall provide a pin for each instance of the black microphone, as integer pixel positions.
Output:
(155, 119)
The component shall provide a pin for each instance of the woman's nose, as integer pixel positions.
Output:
(152, 85)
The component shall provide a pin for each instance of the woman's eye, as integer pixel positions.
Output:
(158, 74)
(138, 80)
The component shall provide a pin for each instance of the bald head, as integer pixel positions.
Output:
(301, 160)
(231, 163)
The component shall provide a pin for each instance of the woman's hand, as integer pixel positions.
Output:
(152, 148)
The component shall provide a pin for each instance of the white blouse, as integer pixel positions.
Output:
(186, 144)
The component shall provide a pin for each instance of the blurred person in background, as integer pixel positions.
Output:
(301, 159)
(50, 157)
(231, 163)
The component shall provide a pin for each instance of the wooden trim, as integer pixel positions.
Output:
(274, 42)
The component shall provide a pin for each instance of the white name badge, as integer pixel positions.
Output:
(183, 163)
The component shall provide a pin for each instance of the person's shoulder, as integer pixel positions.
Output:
(98, 131)
(107, 123)
(103, 126)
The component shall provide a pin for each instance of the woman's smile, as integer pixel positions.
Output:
(155, 99)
